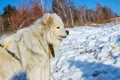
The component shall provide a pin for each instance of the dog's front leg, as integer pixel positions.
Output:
(45, 74)
(34, 73)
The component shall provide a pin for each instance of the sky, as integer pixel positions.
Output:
(15, 3)
(113, 4)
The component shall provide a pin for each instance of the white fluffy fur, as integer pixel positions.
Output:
(30, 45)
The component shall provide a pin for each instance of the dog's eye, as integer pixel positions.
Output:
(58, 27)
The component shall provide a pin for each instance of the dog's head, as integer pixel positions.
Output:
(54, 30)
(55, 27)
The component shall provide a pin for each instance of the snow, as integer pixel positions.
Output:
(89, 53)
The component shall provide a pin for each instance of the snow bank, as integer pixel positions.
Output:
(89, 53)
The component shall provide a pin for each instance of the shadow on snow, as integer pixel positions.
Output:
(96, 71)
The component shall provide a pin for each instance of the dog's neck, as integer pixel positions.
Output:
(50, 46)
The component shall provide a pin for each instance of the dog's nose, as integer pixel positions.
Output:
(67, 32)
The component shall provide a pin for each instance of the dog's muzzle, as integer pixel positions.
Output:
(61, 37)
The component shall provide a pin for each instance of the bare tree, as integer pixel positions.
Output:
(24, 16)
(1, 26)
(71, 13)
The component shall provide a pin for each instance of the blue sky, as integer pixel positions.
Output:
(15, 3)
(113, 4)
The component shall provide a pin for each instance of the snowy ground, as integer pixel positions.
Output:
(89, 53)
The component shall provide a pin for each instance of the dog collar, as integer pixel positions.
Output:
(51, 50)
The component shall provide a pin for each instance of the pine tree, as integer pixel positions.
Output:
(7, 11)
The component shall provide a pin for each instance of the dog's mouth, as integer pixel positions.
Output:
(61, 37)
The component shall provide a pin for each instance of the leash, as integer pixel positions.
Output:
(11, 53)
(6, 45)
(49, 63)
(50, 73)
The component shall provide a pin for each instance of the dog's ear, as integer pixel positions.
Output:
(47, 19)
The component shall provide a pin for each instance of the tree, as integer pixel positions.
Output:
(64, 9)
(8, 10)
(25, 16)
(1, 25)
(14, 19)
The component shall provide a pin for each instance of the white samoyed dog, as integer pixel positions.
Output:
(28, 49)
